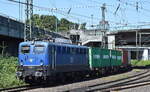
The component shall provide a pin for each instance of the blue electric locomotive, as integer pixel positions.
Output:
(46, 60)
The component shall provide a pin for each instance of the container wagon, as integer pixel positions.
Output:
(105, 60)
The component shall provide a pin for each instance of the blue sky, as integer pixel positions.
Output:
(81, 11)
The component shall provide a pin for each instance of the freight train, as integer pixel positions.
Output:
(43, 60)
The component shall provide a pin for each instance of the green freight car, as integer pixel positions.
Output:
(116, 58)
(104, 58)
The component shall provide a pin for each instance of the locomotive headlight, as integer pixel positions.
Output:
(21, 62)
(41, 62)
(31, 60)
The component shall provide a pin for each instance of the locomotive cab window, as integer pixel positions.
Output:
(38, 49)
(25, 49)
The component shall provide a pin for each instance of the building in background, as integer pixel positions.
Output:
(135, 41)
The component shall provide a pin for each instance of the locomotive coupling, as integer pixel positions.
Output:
(19, 74)
(38, 74)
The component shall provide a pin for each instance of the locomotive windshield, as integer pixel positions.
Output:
(25, 49)
(38, 49)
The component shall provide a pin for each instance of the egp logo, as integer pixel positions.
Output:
(105, 56)
(113, 57)
(119, 57)
(96, 56)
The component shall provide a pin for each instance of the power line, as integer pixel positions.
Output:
(95, 1)
(58, 10)
(134, 26)
(52, 10)
(137, 7)
(73, 14)
(146, 1)
(99, 2)
(134, 6)
(28, 18)
(7, 2)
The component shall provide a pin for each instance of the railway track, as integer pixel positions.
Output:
(17, 89)
(107, 86)
(13, 89)
(20, 88)
(101, 86)
(127, 81)
(128, 86)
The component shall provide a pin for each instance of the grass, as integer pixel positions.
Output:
(116, 77)
(8, 68)
(140, 63)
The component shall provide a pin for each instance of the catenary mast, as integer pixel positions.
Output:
(28, 20)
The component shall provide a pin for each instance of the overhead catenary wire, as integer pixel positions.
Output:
(58, 9)
(87, 6)
(51, 9)
(100, 3)
(81, 2)
(4, 2)
(134, 5)
(76, 15)
(65, 14)
(137, 8)
(145, 1)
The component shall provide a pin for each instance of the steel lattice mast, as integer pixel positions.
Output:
(104, 26)
(28, 20)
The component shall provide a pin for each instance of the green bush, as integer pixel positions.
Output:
(8, 72)
(140, 63)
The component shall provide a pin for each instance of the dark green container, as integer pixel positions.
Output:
(116, 58)
(119, 57)
(99, 57)
(95, 57)
(105, 60)
(113, 58)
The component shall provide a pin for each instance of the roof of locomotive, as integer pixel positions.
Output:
(50, 43)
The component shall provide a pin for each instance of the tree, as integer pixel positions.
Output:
(49, 22)
(64, 24)
(83, 26)
(45, 21)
